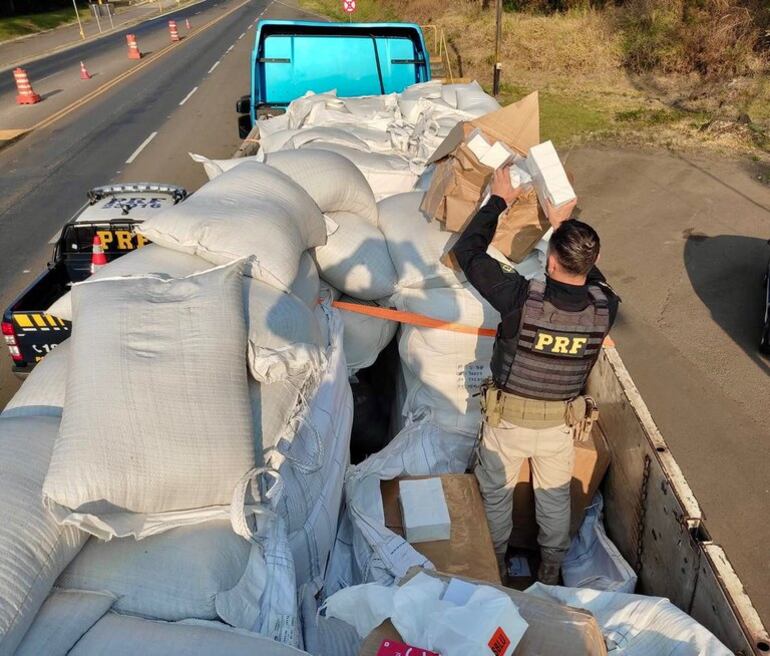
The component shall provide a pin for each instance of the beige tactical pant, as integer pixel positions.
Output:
(501, 454)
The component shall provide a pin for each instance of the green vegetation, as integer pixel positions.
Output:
(15, 26)
(366, 10)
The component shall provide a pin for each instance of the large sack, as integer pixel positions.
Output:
(313, 466)
(34, 549)
(62, 620)
(331, 180)
(416, 244)
(283, 335)
(448, 367)
(150, 259)
(307, 284)
(252, 209)
(166, 357)
(355, 258)
(365, 335)
(387, 174)
(43, 391)
(204, 571)
(121, 635)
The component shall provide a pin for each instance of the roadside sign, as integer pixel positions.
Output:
(349, 5)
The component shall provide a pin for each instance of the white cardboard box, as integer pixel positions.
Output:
(424, 510)
(498, 155)
(548, 175)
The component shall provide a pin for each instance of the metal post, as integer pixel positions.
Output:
(80, 25)
(95, 10)
(498, 38)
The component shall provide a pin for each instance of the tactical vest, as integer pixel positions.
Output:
(550, 357)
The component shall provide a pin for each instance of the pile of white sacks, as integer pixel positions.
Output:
(172, 475)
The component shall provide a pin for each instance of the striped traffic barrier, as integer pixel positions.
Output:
(133, 47)
(172, 30)
(26, 95)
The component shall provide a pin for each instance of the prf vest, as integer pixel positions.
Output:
(550, 357)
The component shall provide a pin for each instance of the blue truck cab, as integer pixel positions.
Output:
(291, 58)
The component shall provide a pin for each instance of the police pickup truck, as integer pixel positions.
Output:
(111, 213)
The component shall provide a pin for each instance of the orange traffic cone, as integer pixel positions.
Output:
(133, 47)
(172, 30)
(84, 74)
(26, 95)
(187, 24)
(98, 258)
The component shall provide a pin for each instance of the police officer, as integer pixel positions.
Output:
(548, 340)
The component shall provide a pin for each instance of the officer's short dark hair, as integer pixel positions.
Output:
(576, 246)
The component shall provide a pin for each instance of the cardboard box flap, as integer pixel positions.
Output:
(517, 125)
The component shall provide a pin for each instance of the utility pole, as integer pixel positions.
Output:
(80, 25)
(498, 38)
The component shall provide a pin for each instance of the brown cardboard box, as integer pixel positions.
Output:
(460, 179)
(469, 550)
(554, 629)
(592, 458)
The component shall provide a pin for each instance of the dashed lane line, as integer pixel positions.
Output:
(143, 145)
(187, 97)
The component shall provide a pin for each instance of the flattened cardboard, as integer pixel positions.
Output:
(592, 458)
(521, 227)
(469, 550)
(554, 629)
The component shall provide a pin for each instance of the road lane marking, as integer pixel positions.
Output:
(230, 48)
(242, 35)
(214, 66)
(187, 97)
(141, 148)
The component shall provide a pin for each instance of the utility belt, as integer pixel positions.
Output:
(579, 413)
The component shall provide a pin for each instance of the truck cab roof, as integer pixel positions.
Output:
(291, 58)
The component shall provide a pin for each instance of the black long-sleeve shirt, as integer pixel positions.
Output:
(503, 287)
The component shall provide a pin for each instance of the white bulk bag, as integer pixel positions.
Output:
(307, 284)
(165, 356)
(62, 620)
(122, 635)
(365, 336)
(142, 261)
(331, 180)
(355, 258)
(204, 571)
(386, 174)
(416, 243)
(283, 335)
(216, 167)
(34, 549)
(313, 468)
(42, 393)
(448, 367)
(469, 98)
(638, 625)
(251, 210)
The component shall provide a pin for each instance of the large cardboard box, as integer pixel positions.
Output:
(554, 629)
(469, 550)
(460, 179)
(592, 458)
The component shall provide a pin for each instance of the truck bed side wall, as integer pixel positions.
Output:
(656, 522)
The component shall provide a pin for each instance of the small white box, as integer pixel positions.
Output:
(424, 510)
(478, 144)
(548, 175)
(498, 155)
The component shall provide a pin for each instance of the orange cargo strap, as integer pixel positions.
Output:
(414, 319)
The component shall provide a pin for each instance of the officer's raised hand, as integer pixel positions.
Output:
(502, 187)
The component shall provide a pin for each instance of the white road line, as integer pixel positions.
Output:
(230, 48)
(216, 63)
(187, 97)
(242, 35)
(251, 25)
(135, 154)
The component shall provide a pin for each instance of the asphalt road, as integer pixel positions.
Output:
(683, 243)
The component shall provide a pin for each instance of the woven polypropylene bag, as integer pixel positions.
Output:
(355, 258)
(164, 358)
(33, 547)
(250, 210)
(365, 335)
(416, 244)
(331, 180)
(43, 391)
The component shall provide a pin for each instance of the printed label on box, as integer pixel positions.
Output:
(393, 648)
(499, 642)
